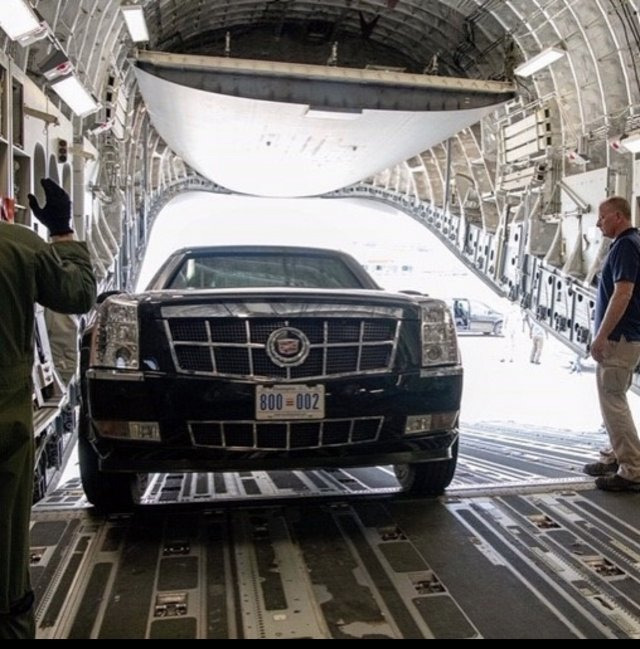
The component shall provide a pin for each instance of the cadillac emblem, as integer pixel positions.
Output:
(287, 347)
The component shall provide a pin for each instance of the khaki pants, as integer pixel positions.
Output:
(536, 349)
(614, 376)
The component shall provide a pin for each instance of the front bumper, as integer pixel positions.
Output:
(182, 405)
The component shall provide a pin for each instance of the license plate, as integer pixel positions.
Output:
(290, 402)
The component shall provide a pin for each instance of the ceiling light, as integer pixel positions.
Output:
(136, 24)
(539, 61)
(631, 142)
(18, 19)
(75, 95)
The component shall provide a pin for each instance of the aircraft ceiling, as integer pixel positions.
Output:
(593, 91)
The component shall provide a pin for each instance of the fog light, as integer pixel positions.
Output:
(148, 431)
(417, 424)
(429, 423)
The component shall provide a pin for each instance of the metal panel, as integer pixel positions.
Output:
(299, 142)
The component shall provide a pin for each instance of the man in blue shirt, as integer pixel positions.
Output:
(616, 347)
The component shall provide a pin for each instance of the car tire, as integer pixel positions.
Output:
(497, 329)
(427, 478)
(107, 491)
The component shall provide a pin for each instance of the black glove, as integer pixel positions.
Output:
(56, 214)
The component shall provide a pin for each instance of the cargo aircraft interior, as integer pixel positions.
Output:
(269, 445)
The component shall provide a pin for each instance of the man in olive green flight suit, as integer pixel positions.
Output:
(57, 275)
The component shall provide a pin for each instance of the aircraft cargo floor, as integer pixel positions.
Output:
(521, 546)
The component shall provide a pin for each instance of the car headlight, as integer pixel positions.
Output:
(115, 337)
(439, 341)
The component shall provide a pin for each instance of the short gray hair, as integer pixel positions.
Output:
(618, 204)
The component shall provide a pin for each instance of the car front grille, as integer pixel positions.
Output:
(285, 436)
(237, 347)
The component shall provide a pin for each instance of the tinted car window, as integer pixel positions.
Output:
(262, 270)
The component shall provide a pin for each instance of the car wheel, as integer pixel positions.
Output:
(427, 478)
(497, 329)
(107, 491)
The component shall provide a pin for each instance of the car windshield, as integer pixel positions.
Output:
(254, 270)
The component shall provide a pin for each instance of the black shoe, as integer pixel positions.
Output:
(616, 482)
(600, 468)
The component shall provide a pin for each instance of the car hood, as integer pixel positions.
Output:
(283, 301)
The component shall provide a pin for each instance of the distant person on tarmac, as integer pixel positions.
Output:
(616, 347)
(511, 326)
(575, 367)
(461, 314)
(537, 335)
